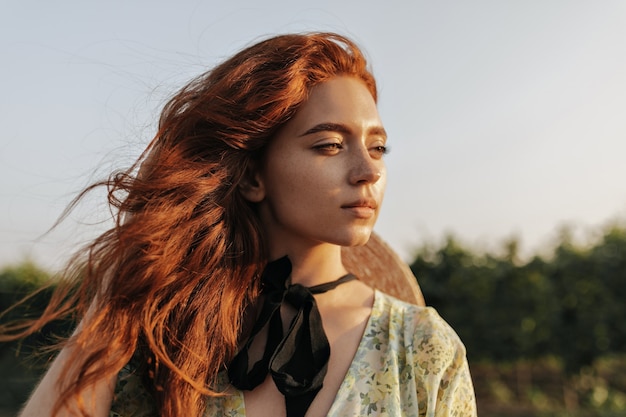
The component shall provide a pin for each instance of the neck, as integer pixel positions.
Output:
(314, 265)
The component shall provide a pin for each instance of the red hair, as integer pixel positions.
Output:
(175, 274)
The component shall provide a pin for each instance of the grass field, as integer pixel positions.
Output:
(540, 388)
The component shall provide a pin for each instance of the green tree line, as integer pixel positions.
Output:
(22, 362)
(571, 304)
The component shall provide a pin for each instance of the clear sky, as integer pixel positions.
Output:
(506, 118)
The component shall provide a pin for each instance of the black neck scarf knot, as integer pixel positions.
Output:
(297, 361)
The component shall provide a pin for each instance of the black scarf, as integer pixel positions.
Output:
(297, 360)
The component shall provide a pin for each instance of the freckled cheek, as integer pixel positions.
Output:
(312, 188)
(302, 196)
(287, 191)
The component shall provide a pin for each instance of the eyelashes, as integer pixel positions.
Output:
(335, 147)
(329, 147)
(382, 149)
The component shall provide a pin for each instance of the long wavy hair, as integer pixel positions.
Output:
(175, 274)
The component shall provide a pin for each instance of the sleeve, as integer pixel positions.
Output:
(440, 364)
(455, 395)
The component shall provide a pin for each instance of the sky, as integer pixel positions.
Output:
(506, 119)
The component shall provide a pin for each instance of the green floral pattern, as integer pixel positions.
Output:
(409, 363)
(131, 399)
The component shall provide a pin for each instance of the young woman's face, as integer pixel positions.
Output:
(323, 177)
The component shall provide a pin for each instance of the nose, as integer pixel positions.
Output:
(365, 169)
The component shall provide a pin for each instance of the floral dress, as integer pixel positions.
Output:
(409, 363)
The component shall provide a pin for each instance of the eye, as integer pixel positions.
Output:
(379, 151)
(329, 148)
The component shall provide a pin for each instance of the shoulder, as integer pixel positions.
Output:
(424, 319)
(433, 360)
(424, 333)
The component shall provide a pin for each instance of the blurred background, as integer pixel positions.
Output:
(506, 174)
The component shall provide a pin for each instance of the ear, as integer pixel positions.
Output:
(252, 188)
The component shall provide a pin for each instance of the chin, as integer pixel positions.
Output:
(358, 238)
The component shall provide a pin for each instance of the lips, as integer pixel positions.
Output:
(363, 208)
(363, 203)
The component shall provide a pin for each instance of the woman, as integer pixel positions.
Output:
(221, 289)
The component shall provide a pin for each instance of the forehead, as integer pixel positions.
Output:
(339, 100)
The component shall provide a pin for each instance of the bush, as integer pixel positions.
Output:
(570, 305)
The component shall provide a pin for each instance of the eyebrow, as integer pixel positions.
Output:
(341, 128)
